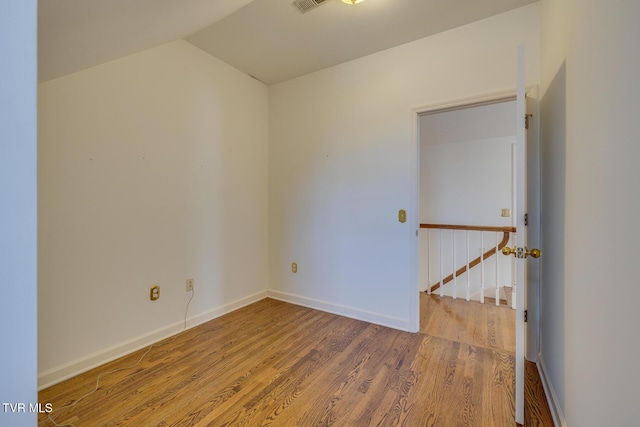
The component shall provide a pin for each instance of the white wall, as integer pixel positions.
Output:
(340, 156)
(153, 169)
(467, 182)
(18, 274)
(553, 159)
(590, 201)
(466, 165)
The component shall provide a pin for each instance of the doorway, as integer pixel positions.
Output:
(525, 156)
(466, 197)
(465, 200)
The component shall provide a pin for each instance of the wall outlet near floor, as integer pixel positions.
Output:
(189, 285)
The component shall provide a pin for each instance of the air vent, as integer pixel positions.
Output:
(307, 5)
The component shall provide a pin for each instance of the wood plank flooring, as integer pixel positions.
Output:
(278, 364)
(483, 325)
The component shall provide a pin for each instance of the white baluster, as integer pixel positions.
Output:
(468, 271)
(428, 261)
(497, 270)
(455, 279)
(482, 267)
(441, 267)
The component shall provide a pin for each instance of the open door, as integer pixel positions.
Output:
(521, 235)
(520, 251)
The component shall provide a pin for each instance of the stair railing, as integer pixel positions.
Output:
(502, 238)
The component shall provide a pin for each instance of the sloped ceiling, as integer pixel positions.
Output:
(268, 39)
(77, 34)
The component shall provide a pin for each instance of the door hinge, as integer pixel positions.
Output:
(525, 316)
(526, 219)
(526, 120)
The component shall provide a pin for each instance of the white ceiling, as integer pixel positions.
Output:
(77, 34)
(268, 39)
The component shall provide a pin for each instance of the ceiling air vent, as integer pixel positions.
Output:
(307, 5)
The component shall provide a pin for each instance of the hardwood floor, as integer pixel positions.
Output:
(278, 364)
(481, 325)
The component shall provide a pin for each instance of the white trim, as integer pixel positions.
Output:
(520, 237)
(414, 221)
(532, 342)
(414, 182)
(552, 399)
(341, 310)
(468, 102)
(83, 364)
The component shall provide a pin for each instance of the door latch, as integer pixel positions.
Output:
(521, 252)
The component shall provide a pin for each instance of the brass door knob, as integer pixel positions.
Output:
(534, 253)
(508, 251)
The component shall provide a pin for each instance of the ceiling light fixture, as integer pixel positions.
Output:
(351, 1)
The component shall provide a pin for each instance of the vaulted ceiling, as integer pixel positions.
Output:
(268, 39)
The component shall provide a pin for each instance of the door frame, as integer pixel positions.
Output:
(532, 293)
(532, 297)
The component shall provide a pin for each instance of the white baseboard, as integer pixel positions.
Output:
(341, 310)
(78, 366)
(552, 399)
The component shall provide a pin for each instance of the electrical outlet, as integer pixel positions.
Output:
(189, 285)
(154, 292)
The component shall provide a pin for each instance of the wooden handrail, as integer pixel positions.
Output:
(487, 254)
(470, 227)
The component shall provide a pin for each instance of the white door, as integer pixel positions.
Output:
(521, 252)
(521, 235)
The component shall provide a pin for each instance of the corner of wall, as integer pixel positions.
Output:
(552, 398)
(341, 310)
(86, 363)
